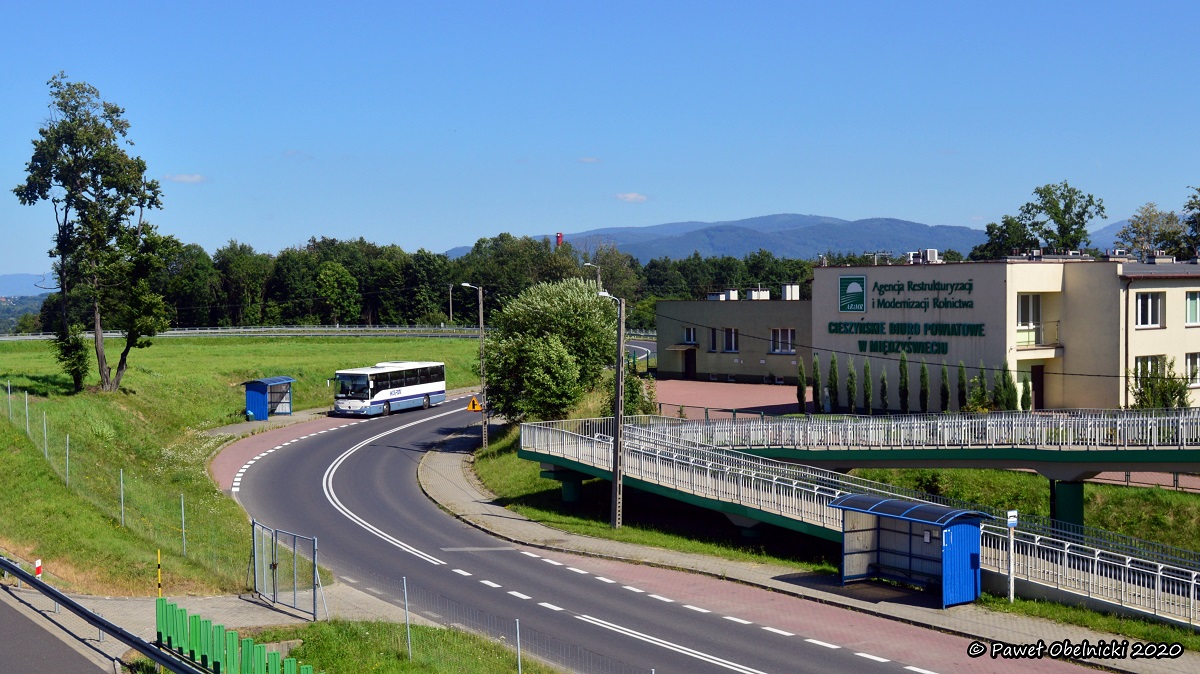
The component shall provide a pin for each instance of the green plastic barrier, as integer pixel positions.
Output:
(206, 644)
(232, 664)
(260, 659)
(181, 630)
(218, 649)
(193, 641)
(247, 656)
(289, 666)
(160, 623)
(274, 663)
(306, 669)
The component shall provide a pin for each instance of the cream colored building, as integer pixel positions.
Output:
(1073, 325)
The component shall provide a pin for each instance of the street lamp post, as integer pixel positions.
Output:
(482, 370)
(618, 472)
(451, 293)
(598, 286)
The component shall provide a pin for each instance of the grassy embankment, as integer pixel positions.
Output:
(1153, 514)
(153, 429)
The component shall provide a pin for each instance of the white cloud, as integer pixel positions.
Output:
(588, 160)
(632, 198)
(188, 178)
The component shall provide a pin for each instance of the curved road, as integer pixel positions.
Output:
(355, 488)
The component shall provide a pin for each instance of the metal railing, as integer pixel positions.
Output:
(1037, 334)
(661, 451)
(1058, 430)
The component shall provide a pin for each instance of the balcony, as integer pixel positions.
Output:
(1037, 335)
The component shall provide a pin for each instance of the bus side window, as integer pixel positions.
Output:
(440, 373)
(424, 373)
(410, 378)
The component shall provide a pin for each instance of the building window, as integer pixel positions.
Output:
(1151, 366)
(783, 340)
(712, 339)
(1149, 310)
(1029, 320)
(689, 335)
(731, 339)
(1192, 363)
(1193, 308)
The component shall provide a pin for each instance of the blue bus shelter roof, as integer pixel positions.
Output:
(912, 511)
(269, 381)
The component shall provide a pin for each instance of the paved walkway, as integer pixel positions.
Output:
(447, 478)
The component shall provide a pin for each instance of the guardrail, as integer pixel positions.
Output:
(161, 658)
(1156, 579)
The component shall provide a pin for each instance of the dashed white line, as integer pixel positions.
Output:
(876, 658)
(737, 620)
(371, 589)
(348, 579)
(518, 595)
(780, 632)
(661, 598)
(918, 670)
(462, 573)
(602, 579)
(490, 583)
(552, 607)
(632, 588)
(530, 554)
(571, 568)
(822, 643)
(551, 561)
(696, 608)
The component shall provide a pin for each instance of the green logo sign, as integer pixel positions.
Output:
(852, 294)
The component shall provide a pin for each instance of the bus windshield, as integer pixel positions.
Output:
(352, 386)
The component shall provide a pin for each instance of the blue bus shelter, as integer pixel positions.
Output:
(267, 396)
(923, 544)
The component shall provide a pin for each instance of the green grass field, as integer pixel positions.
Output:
(153, 429)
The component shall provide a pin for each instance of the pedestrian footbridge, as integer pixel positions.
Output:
(728, 466)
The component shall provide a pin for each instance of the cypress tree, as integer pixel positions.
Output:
(868, 387)
(903, 383)
(1026, 393)
(945, 389)
(801, 386)
(962, 385)
(883, 392)
(835, 394)
(924, 392)
(816, 384)
(851, 386)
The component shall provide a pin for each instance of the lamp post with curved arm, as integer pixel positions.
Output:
(598, 286)
(618, 414)
(482, 370)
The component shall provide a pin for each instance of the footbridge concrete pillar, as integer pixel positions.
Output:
(572, 481)
(1066, 501)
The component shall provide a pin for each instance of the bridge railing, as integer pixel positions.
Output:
(1138, 574)
(1078, 430)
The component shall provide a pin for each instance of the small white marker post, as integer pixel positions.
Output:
(1012, 580)
(37, 569)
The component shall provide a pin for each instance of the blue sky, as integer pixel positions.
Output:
(430, 125)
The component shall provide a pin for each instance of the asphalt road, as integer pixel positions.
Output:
(356, 490)
(27, 646)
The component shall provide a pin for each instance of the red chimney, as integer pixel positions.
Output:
(558, 240)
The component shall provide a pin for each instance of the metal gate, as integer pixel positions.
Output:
(284, 566)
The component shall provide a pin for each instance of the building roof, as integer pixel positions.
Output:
(270, 381)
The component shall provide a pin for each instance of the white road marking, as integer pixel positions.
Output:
(772, 629)
(371, 589)
(632, 588)
(571, 568)
(918, 670)
(661, 598)
(331, 496)
(552, 607)
(876, 658)
(518, 595)
(462, 573)
(699, 655)
(530, 554)
(490, 583)
(822, 643)
(696, 608)
(348, 579)
(737, 620)
(551, 561)
(235, 490)
(602, 579)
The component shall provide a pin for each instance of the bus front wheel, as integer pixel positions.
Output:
(387, 408)
(425, 403)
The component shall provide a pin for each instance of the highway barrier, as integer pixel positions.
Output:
(214, 648)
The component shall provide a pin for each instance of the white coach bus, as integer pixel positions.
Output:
(386, 387)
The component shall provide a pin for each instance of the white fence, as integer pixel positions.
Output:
(667, 452)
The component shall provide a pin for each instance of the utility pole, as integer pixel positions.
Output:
(618, 472)
(482, 370)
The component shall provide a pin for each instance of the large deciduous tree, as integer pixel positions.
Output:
(1151, 230)
(107, 253)
(549, 345)
(1004, 238)
(1059, 214)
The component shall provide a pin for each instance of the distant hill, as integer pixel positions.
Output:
(17, 285)
(1106, 236)
(785, 235)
